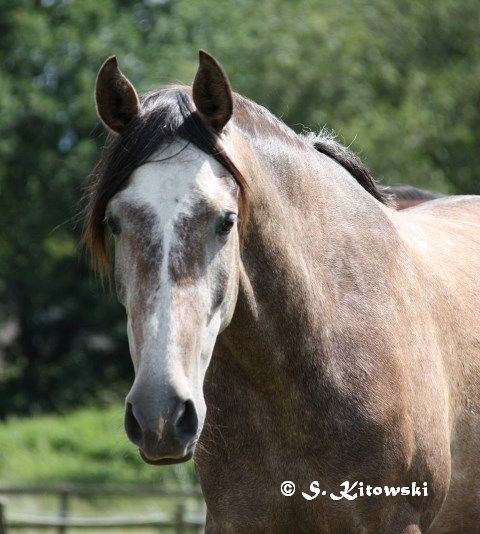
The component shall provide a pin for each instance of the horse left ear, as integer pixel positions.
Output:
(212, 93)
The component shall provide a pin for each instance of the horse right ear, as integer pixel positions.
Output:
(115, 97)
(212, 94)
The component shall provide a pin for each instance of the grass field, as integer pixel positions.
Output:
(86, 446)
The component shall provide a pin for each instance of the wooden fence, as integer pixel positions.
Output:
(181, 522)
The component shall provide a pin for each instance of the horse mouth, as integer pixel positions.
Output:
(167, 461)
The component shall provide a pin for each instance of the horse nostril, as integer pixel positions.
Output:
(132, 426)
(186, 424)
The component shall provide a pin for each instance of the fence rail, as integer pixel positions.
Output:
(181, 521)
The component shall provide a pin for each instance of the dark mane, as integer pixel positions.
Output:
(164, 115)
(326, 143)
(408, 192)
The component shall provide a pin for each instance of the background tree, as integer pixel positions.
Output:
(401, 81)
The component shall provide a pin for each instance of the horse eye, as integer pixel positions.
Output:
(113, 224)
(226, 223)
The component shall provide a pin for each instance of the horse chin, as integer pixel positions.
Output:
(167, 461)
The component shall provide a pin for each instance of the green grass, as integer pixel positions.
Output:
(86, 446)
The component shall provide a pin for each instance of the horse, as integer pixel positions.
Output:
(309, 345)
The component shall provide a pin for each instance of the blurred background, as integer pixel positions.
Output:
(397, 81)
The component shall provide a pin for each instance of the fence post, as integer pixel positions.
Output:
(63, 510)
(3, 519)
(180, 526)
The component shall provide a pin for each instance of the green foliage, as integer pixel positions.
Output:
(87, 446)
(399, 79)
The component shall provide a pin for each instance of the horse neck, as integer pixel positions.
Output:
(317, 247)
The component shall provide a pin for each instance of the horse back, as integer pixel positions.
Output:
(443, 237)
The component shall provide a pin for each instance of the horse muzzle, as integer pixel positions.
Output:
(166, 433)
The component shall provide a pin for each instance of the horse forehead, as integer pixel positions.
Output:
(175, 185)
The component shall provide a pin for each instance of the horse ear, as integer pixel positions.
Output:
(116, 99)
(212, 93)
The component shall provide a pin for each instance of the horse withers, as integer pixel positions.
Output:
(285, 322)
(402, 196)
